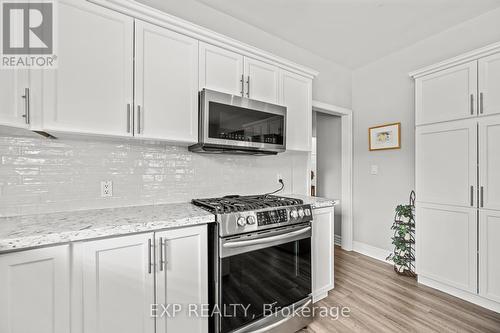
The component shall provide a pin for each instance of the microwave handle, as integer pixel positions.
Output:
(266, 239)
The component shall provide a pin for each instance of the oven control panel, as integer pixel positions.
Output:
(272, 216)
(293, 215)
(263, 219)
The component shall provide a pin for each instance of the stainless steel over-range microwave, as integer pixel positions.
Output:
(234, 124)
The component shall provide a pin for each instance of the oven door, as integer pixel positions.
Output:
(263, 272)
(235, 122)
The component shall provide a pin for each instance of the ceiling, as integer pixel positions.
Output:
(353, 33)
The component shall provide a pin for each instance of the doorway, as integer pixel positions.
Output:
(331, 164)
(327, 162)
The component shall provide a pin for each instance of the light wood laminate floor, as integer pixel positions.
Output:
(382, 301)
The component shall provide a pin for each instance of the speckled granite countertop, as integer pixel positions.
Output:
(315, 202)
(19, 232)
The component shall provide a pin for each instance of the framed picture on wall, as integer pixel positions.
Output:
(385, 137)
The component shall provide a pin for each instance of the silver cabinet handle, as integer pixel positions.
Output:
(26, 97)
(242, 81)
(472, 104)
(162, 254)
(472, 196)
(150, 256)
(139, 119)
(482, 196)
(248, 86)
(481, 108)
(128, 118)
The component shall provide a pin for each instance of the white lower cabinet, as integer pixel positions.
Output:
(322, 252)
(447, 245)
(35, 291)
(182, 278)
(489, 251)
(114, 287)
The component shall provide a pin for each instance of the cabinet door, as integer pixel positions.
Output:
(221, 70)
(296, 96)
(489, 248)
(262, 81)
(489, 162)
(446, 163)
(489, 85)
(182, 277)
(35, 291)
(447, 95)
(447, 245)
(91, 89)
(166, 84)
(13, 106)
(114, 285)
(322, 252)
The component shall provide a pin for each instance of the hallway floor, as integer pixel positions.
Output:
(382, 301)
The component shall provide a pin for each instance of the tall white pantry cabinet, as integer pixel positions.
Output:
(457, 106)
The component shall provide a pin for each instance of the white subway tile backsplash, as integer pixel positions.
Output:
(40, 175)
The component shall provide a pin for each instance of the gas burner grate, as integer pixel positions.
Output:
(232, 204)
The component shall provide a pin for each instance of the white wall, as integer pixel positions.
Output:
(332, 85)
(43, 175)
(383, 93)
(329, 161)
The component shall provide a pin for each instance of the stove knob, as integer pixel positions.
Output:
(301, 213)
(241, 221)
(308, 212)
(251, 219)
(294, 214)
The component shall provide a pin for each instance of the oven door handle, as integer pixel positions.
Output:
(280, 322)
(266, 239)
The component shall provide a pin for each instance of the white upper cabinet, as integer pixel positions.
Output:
(447, 95)
(446, 163)
(182, 277)
(489, 248)
(447, 245)
(91, 90)
(489, 85)
(13, 102)
(262, 81)
(114, 285)
(221, 70)
(35, 291)
(166, 84)
(297, 97)
(489, 162)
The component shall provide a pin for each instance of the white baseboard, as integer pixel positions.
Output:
(338, 240)
(473, 298)
(371, 251)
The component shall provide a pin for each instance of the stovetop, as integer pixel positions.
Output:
(245, 214)
(236, 203)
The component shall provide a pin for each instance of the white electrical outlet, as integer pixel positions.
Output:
(106, 188)
(374, 169)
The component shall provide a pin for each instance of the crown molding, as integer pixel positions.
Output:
(160, 18)
(458, 60)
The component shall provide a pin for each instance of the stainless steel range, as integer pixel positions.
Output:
(260, 263)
